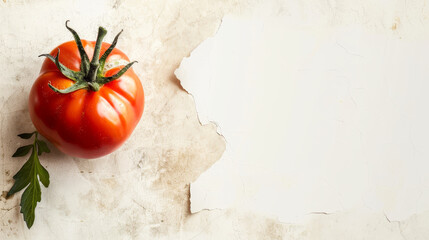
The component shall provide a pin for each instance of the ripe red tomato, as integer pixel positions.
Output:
(75, 104)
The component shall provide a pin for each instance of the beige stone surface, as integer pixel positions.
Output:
(142, 190)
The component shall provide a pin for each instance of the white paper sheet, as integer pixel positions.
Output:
(317, 118)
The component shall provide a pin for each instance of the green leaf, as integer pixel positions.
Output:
(22, 151)
(24, 171)
(22, 178)
(29, 176)
(43, 175)
(29, 200)
(26, 135)
(42, 147)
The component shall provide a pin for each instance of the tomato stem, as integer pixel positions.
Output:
(95, 63)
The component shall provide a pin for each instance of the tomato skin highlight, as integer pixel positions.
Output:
(85, 123)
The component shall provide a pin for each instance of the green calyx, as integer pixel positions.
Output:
(90, 75)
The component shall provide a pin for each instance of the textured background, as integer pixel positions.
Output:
(142, 190)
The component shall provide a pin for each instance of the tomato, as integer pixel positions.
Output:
(77, 107)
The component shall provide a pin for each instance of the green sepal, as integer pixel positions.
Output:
(107, 53)
(70, 74)
(84, 67)
(104, 80)
(72, 88)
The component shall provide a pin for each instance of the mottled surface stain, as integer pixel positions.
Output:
(396, 23)
(117, 3)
